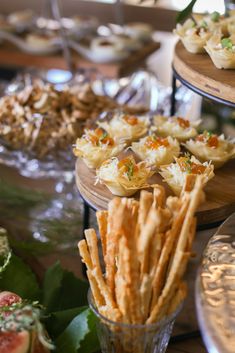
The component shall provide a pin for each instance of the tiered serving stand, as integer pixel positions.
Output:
(215, 280)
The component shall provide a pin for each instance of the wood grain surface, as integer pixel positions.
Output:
(199, 71)
(220, 192)
(11, 56)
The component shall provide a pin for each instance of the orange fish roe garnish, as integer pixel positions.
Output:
(154, 142)
(210, 139)
(99, 137)
(127, 166)
(186, 165)
(130, 119)
(183, 122)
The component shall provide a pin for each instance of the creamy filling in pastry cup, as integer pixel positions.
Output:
(96, 146)
(175, 174)
(124, 177)
(126, 127)
(156, 150)
(221, 51)
(193, 37)
(176, 127)
(218, 154)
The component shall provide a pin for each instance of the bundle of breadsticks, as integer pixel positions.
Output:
(146, 246)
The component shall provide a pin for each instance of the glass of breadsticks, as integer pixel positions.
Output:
(146, 245)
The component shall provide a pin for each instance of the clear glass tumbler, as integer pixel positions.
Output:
(116, 337)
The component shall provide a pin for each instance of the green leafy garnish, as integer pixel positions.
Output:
(186, 12)
(215, 16)
(80, 335)
(203, 24)
(62, 290)
(227, 43)
(105, 134)
(130, 170)
(58, 321)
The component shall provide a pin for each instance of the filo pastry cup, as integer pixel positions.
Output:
(193, 37)
(211, 147)
(124, 177)
(176, 127)
(156, 150)
(221, 51)
(175, 174)
(126, 127)
(214, 22)
(96, 146)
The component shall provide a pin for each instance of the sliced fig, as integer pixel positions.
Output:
(13, 342)
(7, 299)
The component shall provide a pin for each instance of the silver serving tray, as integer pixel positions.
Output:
(215, 290)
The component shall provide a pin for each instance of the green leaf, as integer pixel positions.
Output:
(62, 290)
(18, 278)
(13, 196)
(215, 16)
(80, 335)
(57, 322)
(182, 15)
(227, 43)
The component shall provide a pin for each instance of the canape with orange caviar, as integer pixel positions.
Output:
(126, 127)
(176, 127)
(124, 177)
(95, 146)
(175, 173)
(211, 147)
(156, 150)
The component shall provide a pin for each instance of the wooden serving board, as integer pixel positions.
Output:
(220, 192)
(10, 55)
(199, 71)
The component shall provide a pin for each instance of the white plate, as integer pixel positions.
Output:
(90, 55)
(51, 48)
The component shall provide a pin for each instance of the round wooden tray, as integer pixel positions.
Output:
(198, 72)
(220, 192)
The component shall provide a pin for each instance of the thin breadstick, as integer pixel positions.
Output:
(171, 284)
(189, 183)
(82, 246)
(98, 298)
(84, 253)
(191, 234)
(178, 298)
(120, 280)
(145, 295)
(115, 211)
(159, 196)
(91, 239)
(132, 270)
(145, 203)
(168, 247)
(102, 220)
